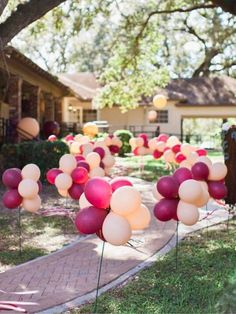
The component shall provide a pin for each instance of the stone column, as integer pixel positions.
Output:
(58, 109)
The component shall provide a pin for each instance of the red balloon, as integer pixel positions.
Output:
(52, 174)
(145, 139)
(168, 187)
(11, 178)
(119, 182)
(75, 191)
(200, 171)
(156, 154)
(79, 158)
(98, 192)
(162, 138)
(69, 137)
(114, 149)
(201, 152)
(90, 219)
(83, 164)
(135, 151)
(12, 199)
(100, 151)
(166, 209)
(179, 157)
(182, 174)
(217, 190)
(80, 175)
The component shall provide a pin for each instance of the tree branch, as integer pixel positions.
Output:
(3, 4)
(24, 15)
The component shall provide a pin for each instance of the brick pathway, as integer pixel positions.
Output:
(72, 272)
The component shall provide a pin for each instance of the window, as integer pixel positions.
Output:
(162, 117)
(89, 115)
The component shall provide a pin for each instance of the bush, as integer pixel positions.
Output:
(44, 154)
(124, 136)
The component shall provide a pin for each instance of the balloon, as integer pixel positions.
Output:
(152, 143)
(67, 163)
(107, 141)
(117, 183)
(93, 159)
(87, 149)
(32, 205)
(139, 219)
(90, 129)
(28, 188)
(52, 138)
(182, 174)
(166, 209)
(12, 199)
(63, 181)
(145, 139)
(80, 175)
(160, 146)
(179, 157)
(168, 186)
(28, 128)
(114, 149)
(52, 174)
(172, 141)
(75, 191)
(83, 202)
(204, 199)
(157, 154)
(200, 171)
(11, 177)
(116, 229)
(162, 138)
(75, 148)
(90, 219)
(97, 172)
(79, 158)
(192, 158)
(190, 191)
(217, 190)
(176, 148)
(169, 156)
(31, 171)
(100, 151)
(83, 164)
(141, 151)
(116, 141)
(188, 214)
(108, 161)
(152, 115)
(218, 172)
(159, 101)
(98, 192)
(185, 164)
(156, 194)
(186, 149)
(63, 193)
(139, 141)
(100, 235)
(201, 152)
(51, 127)
(69, 137)
(206, 160)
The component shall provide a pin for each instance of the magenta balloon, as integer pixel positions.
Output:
(51, 127)
(98, 192)
(90, 219)
(200, 171)
(80, 175)
(176, 148)
(157, 154)
(119, 182)
(83, 164)
(168, 187)
(145, 139)
(182, 174)
(79, 158)
(75, 191)
(100, 151)
(102, 165)
(12, 199)
(114, 149)
(52, 174)
(166, 209)
(11, 178)
(162, 138)
(217, 190)
(69, 137)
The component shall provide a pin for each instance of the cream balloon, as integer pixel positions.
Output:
(63, 193)
(139, 219)
(108, 161)
(169, 156)
(160, 146)
(28, 188)
(116, 141)
(63, 181)
(172, 141)
(152, 143)
(185, 164)
(204, 185)
(159, 101)
(190, 191)
(218, 171)
(192, 158)
(139, 142)
(186, 149)
(31, 171)
(83, 202)
(93, 159)
(97, 172)
(125, 200)
(132, 141)
(188, 214)
(107, 140)
(75, 148)
(152, 115)
(67, 163)
(204, 199)
(32, 205)
(116, 229)
(141, 151)
(205, 160)
(28, 128)
(87, 148)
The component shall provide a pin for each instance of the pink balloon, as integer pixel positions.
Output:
(52, 174)
(200, 171)
(182, 174)
(179, 158)
(201, 152)
(217, 190)
(79, 158)
(157, 154)
(90, 219)
(52, 138)
(162, 138)
(69, 137)
(168, 186)
(80, 175)
(135, 151)
(145, 139)
(100, 151)
(119, 182)
(176, 148)
(98, 192)
(12, 199)
(166, 209)
(11, 178)
(75, 191)
(83, 164)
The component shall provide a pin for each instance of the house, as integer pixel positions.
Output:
(202, 97)
(27, 90)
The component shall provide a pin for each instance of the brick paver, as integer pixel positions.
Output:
(72, 272)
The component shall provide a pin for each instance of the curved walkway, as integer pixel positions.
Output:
(69, 277)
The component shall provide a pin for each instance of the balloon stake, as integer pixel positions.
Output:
(99, 276)
(177, 246)
(20, 232)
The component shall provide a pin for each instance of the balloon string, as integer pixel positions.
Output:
(20, 231)
(99, 276)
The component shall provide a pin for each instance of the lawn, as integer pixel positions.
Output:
(201, 284)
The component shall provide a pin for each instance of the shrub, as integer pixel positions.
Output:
(124, 136)
(44, 154)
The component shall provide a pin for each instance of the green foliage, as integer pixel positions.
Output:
(44, 154)
(124, 136)
(227, 302)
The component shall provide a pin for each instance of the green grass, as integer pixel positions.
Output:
(207, 261)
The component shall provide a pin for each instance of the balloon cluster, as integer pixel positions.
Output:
(180, 195)
(139, 145)
(113, 143)
(23, 188)
(111, 210)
